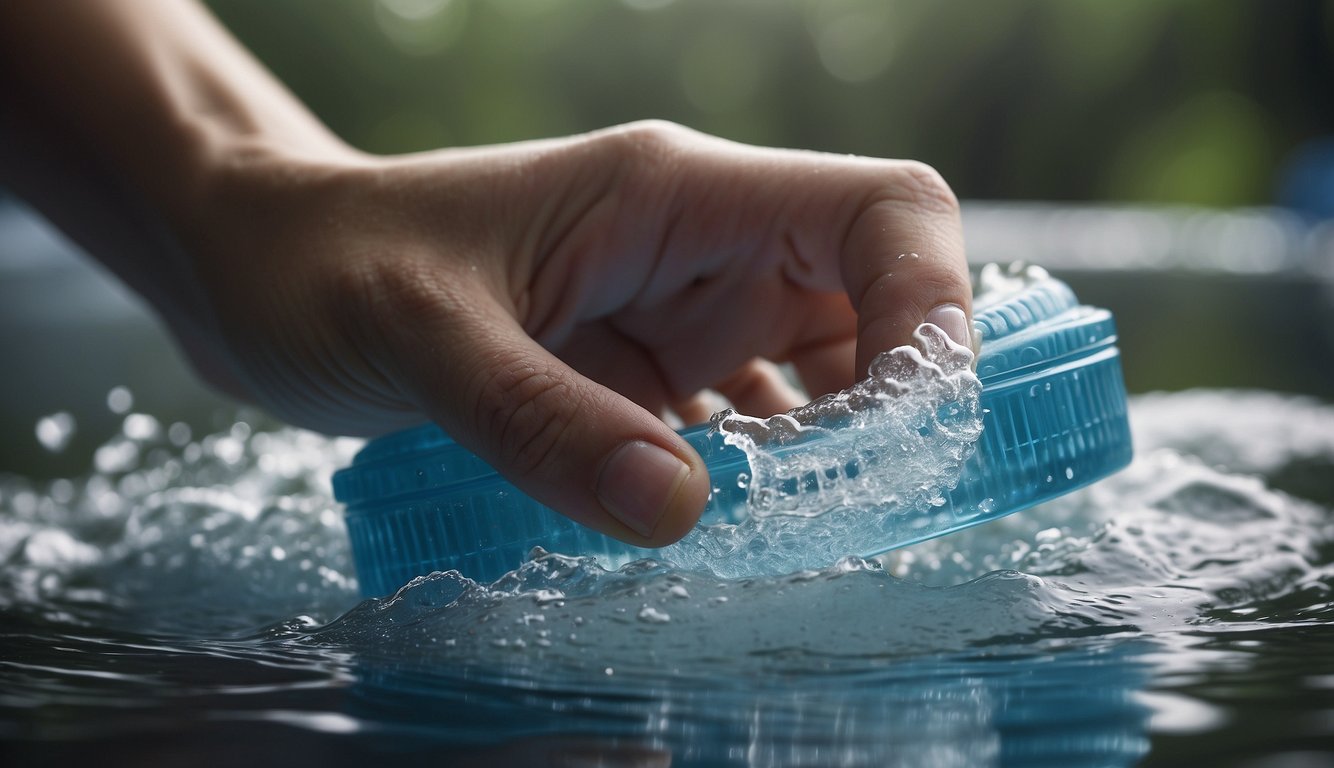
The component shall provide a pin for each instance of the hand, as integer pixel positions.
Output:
(543, 302)
(547, 302)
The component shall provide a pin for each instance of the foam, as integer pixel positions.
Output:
(830, 475)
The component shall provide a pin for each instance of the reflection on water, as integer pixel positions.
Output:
(1062, 708)
(194, 598)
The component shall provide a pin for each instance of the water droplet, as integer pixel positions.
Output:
(651, 615)
(179, 434)
(120, 400)
(140, 427)
(548, 596)
(55, 431)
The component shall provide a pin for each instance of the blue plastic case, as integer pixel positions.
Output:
(1055, 420)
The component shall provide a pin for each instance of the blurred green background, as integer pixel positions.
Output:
(1186, 110)
(1151, 101)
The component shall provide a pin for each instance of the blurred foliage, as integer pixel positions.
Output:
(1185, 101)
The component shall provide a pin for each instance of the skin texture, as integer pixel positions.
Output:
(545, 302)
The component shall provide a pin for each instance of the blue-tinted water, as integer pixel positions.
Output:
(192, 600)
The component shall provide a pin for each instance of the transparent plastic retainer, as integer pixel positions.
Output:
(1054, 420)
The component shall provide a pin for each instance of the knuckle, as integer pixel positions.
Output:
(922, 186)
(638, 161)
(527, 411)
(655, 135)
(649, 145)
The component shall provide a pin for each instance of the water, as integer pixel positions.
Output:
(829, 477)
(192, 599)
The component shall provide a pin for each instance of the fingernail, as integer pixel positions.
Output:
(638, 483)
(951, 319)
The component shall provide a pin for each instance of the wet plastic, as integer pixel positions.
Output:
(1055, 420)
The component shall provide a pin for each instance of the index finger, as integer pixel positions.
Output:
(903, 262)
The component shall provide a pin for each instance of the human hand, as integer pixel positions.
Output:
(543, 302)
(547, 302)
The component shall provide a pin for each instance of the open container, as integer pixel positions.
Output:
(1054, 420)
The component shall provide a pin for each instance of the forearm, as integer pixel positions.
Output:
(119, 119)
(155, 89)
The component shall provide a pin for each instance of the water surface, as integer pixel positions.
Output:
(193, 599)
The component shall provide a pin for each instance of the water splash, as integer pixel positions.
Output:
(54, 432)
(1170, 546)
(222, 534)
(831, 476)
(897, 438)
(922, 656)
(236, 530)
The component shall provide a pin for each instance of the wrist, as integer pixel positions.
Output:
(213, 153)
(230, 181)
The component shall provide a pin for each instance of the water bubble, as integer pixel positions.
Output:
(846, 469)
(62, 491)
(120, 400)
(1047, 535)
(546, 596)
(651, 615)
(55, 431)
(228, 449)
(924, 401)
(179, 434)
(119, 455)
(140, 427)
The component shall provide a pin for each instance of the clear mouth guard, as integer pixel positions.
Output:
(1054, 420)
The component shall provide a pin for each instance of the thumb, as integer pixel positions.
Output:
(567, 441)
